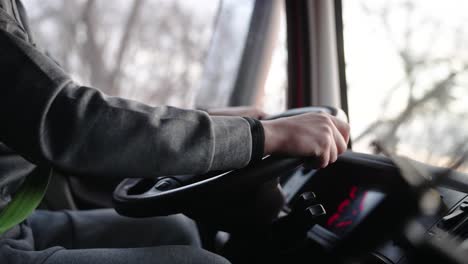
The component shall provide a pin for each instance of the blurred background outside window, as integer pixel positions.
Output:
(272, 99)
(147, 50)
(407, 72)
(153, 51)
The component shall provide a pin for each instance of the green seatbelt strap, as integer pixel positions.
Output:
(26, 199)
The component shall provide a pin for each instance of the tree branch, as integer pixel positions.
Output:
(91, 49)
(124, 43)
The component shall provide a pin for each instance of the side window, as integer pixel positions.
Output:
(247, 62)
(272, 98)
(148, 50)
(225, 54)
(407, 72)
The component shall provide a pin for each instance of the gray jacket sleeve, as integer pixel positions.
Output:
(49, 119)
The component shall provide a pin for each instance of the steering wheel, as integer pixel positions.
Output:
(178, 194)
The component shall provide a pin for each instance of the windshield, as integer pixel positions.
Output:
(407, 72)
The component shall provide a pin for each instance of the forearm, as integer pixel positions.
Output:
(50, 120)
(111, 135)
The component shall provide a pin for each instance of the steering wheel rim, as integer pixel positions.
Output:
(207, 191)
(181, 195)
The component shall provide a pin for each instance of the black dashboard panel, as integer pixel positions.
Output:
(352, 209)
(350, 189)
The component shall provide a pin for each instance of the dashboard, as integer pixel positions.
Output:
(352, 209)
(349, 191)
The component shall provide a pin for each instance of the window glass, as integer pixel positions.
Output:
(407, 64)
(230, 44)
(272, 98)
(148, 50)
(225, 54)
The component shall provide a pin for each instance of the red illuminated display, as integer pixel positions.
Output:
(348, 209)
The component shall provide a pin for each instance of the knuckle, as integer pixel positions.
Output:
(328, 121)
(347, 126)
(325, 143)
(326, 131)
(322, 145)
(318, 153)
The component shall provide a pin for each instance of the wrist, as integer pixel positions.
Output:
(272, 140)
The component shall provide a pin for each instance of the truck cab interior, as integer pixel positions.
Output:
(396, 70)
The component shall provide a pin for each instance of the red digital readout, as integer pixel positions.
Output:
(343, 205)
(344, 218)
(352, 192)
(344, 224)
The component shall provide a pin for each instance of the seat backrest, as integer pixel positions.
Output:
(59, 195)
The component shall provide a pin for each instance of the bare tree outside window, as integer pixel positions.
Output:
(148, 50)
(407, 67)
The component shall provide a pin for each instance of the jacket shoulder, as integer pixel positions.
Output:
(11, 19)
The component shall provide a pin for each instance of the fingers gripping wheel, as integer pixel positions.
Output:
(181, 194)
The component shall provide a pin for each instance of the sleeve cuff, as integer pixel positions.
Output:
(258, 139)
(232, 143)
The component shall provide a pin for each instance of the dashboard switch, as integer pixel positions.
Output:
(307, 218)
(295, 225)
(308, 196)
(452, 219)
(464, 206)
(316, 210)
(304, 200)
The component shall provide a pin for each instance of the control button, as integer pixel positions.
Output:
(305, 219)
(452, 219)
(308, 196)
(316, 210)
(305, 200)
(464, 206)
(294, 227)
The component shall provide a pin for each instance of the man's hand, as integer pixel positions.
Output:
(317, 135)
(246, 111)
